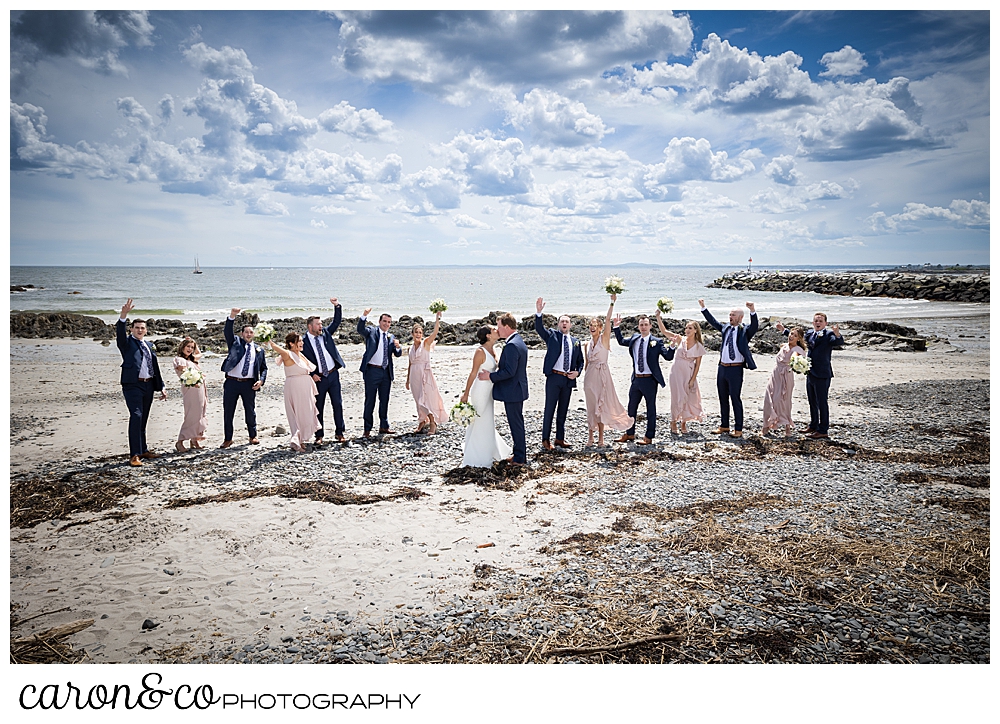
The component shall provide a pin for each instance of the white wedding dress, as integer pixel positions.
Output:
(483, 443)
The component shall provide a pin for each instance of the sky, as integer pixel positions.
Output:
(342, 138)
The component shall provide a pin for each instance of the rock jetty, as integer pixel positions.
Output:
(937, 287)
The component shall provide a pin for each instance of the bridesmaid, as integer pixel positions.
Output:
(195, 398)
(685, 395)
(778, 395)
(300, 391)
(603, 406)
(420, 379)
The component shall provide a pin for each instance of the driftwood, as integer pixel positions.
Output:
(573, 650)
(57, 632)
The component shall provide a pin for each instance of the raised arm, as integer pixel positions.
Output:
(617, 327)
(437, 327)
(362, 323)
(606, 332)
(708, 315)
(338, 315)
(754, 322)
(120, 336)
(660, 324)
(286, 356)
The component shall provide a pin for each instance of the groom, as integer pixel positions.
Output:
(563, 364)
(140, 378)
(246, 371)
(510, 383)
(646, 351)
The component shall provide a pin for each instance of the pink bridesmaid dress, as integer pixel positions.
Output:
(778, 395)
(424, 387)
(300, 400)
(195, 404)
(603, 405)
(685, 402)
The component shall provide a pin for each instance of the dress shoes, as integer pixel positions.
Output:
(341, 438)
(318, 442)
(818, 436)
(736, 433)
(135, 462)
(806, 430)
(546, 445)
(225, 444)
(562, 443)
(720, 430)
(386, 431)
(254, 441)
(367, 434)
(149, 455)
(644, 441)
(626, 438)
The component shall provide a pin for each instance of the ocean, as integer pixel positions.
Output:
(470, 292)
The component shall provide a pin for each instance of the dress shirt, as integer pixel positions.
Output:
(558, 366)
(144, 370)
(320, 349)
(237, 371)
(377, 357)
(642, 345)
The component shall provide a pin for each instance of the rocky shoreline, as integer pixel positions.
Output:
(167, 333)
(900, 285)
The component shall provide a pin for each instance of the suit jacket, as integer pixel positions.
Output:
(821, 346)
(654, 350)
(132, 358)
(744, 333)
(554, 349)
(372, 335)
(238, 349)
(327, 337)
(510, 381)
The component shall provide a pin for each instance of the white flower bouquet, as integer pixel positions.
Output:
(438, 305)
(192, 377)
(263, 332)
(614, 285)
(463, 413)
(800, 364)
(665, 305)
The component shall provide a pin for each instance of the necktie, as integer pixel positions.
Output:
(246, 360)
(566, 352)
(320, 357)
(640, 350)
(729, 344)
(385, 350)
(147, 357)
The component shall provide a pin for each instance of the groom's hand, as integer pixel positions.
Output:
(483, 375)
(539, 305)
(573, 375)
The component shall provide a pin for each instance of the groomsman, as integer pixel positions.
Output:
(376, 366)
(246, 371)
(510, 383)
(321, 350)
(821, 342)
(733, 357)
(645, 350)
(140, 378)
(563, 364)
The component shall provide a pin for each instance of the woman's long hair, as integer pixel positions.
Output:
(183, 344)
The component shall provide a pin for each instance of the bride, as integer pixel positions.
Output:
(483, 443)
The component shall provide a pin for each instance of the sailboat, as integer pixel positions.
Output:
(197, 267)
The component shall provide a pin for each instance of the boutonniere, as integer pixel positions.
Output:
(652, 343)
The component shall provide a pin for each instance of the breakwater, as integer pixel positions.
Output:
(900, 285)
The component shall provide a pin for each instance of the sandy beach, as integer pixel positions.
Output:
(288, 579)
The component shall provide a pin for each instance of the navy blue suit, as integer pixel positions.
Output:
(138, 392)
(644, 388)
(234, 389)
(510, 386)
(378, 380)
(729, 380)
(558, 387)
(821, 346)
(328, 384)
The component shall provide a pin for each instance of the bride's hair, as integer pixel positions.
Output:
(483, 333)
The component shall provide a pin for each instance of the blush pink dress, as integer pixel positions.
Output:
(778, 395)
(424, 387)
(195, 404)
(685, 402)
(300, 400)
(603, 405)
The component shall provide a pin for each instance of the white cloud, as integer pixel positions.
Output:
(467, 222)
(960, 213)
(490, 166)
(430, 191)
(265, 206)
(334, 210)
(845, 62)
(317, 224)
(690, 159)
(31, 149)
(781, 170)
(584, 197)
(133, 112)
(555, 120)
(365, 124)
(462, 243)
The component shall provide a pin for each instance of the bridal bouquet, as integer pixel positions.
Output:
(263, 332)
(665, 305)
(463, 413)
(191, 377)
(438, 305)
(800, 364)
(614, 285)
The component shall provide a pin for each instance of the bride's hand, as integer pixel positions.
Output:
(465, 398)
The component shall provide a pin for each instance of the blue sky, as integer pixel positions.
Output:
(346, 138)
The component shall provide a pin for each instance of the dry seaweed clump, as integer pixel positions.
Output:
(48, 646)
(37, 500)
(322, 491)
(503, 475)
(701, 508)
